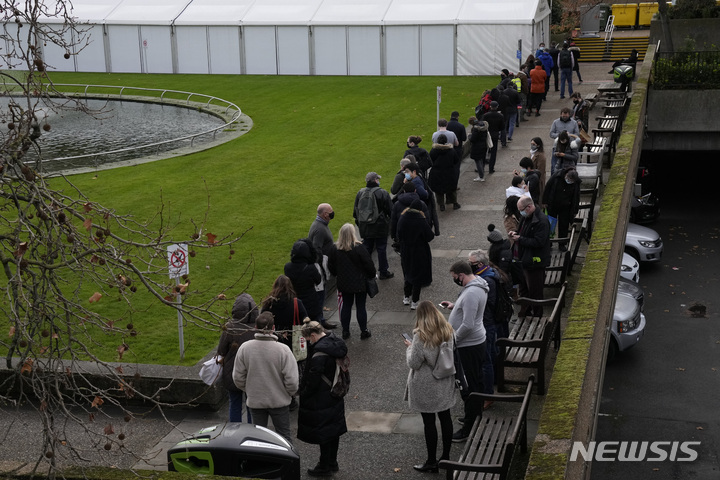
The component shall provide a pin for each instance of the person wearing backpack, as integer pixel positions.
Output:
(321, 418)
(424, 391)
(565, 62)
(373, 207)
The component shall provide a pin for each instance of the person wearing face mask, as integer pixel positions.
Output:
(405, 198)
(375, 232)
(466, 318)
(562, 200)
(566, 151)
(422, 157)
(580, 111)
(322, 239)
(321, 418)
(531, 176)
(563, 124)
(399, 179)
(532, 250)
(537, 155)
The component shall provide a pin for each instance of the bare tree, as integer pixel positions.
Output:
(56, 245)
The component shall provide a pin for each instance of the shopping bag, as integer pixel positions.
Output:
(299, 345)
(210, 371)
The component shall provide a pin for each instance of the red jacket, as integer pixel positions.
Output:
(537, 79)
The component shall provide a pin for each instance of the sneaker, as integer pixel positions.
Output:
(461, 420)
(460, 436)
(509, 139)
(562, 98)
(386, 275)
(442, 208)
(456, 206)
(477, 179)
(329, 325)
(537, 114)
(346, 334)
(365, 335)
(414, 306)
(406, 301)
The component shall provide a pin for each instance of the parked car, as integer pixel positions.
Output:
(628, 287)
(628, 325)
(643, 243)
(644, 209)
(630, 268)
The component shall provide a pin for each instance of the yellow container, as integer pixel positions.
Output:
(625, 14)
(645, 13)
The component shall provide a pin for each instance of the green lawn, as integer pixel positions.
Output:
(313, 141)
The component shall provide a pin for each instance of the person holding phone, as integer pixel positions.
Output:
(424, 392)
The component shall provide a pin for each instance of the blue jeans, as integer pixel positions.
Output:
(280, 418)
(381, 245)
(346, 311)
(491, 353)
(510, 120)
(565, 76)
(236, 406)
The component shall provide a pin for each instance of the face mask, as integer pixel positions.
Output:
(475, 266)
(568, 182)
(409, 145)
(332, 215)
(457, 281)
(523, 213)
(408, 176)
(523, 170)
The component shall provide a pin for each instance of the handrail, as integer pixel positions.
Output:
(228, 107)
(609, 28)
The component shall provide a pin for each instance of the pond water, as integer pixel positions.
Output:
(117, 125)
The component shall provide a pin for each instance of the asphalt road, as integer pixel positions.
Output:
(666, 387)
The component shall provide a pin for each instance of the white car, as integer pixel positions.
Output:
(628, 324)
(630, 268)
(644, 244)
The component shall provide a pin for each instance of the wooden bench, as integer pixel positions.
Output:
(590, 161)
(557, 270)
(581, 233)
(528, 343)
(592, 99)
(492, 441)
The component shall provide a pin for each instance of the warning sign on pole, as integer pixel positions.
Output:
(177, 260)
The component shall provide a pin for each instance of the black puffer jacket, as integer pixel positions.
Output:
(351, 268)
(304, 275)
(443, 177)
(321, 416)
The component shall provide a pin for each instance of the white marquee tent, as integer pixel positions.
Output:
(306, 37)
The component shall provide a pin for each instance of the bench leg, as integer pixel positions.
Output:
(500, 372)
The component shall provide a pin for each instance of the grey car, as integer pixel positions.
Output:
(642, 243)
(628, 324)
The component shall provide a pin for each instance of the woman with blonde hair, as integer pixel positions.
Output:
(351, 263)
(321, 418)
(424, 392)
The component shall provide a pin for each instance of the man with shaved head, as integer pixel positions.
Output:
(322, 239)
(532, 250)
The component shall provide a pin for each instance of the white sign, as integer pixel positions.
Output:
(177, 260)
(439, 94)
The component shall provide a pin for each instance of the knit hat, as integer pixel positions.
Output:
(494, 105)
(417, 204)
(494, 236)
(505, 71)
(244, 309)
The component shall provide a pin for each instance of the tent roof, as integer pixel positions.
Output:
(91, 11)
(281, 12)
(516, 12)
(214, 12)
(144, 12)
(413, 12)
(351, 12)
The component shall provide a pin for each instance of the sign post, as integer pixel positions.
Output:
(519, 55)
(439, 99)
(177, 267)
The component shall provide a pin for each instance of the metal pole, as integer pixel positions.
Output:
(180, 320)
(439, 97)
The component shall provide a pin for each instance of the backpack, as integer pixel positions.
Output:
(483, 106)
(565, 59)
(367, 208)
(445, 363)
(340, 385)
(503, 301)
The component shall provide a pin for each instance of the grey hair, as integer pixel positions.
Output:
(481, 256)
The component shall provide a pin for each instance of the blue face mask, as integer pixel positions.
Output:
(408, 176)
(523, 213)
(568, 182)
(523, 170)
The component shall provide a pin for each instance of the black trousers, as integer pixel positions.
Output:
(472, 358)
(329, 451)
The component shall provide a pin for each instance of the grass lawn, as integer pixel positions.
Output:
(313, 141)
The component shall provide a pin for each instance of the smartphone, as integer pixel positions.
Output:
(442, 305)
(407, 337)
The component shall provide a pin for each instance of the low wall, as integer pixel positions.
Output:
(573, 398)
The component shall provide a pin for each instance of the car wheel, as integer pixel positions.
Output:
(612, 350)
(633, 253)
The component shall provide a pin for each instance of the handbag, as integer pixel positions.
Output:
(210, 370)
(445, 363)
(371, 287)
(299, 344)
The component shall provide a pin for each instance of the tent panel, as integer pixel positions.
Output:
(438, 47)
(281, 12)
(293, 50)
(402, 45)
(487, 49)
(214, 12)
(92, 57)
(224, 49)
(192, 49)
(420, 12)
(124, 43)
(351, 12)
(364, 50)
(156, 48)
(54, 55)
(494, 12)
(260, 53)
(330, 44)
